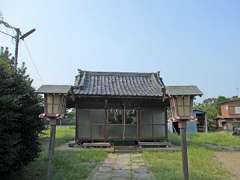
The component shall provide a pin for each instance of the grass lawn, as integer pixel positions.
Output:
(202, 164)
(222, 138)
(77, 164)
(68, 165)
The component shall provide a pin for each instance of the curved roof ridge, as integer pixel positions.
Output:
(125, 73)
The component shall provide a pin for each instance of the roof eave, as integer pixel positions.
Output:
(119, 96)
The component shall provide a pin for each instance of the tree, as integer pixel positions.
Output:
(19, 123)
(211, 107)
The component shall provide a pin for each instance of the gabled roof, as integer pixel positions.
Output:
(94, 83)
(54, 89)
(234, 99)
(183, 90)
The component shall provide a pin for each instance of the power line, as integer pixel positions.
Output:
(31, 59)
(7, 34)
(19, 36)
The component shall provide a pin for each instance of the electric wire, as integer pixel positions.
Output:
(6, 34)
(31, 59)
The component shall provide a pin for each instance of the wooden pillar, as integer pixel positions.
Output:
(166, 123)
(182, 126)
(106, 119)
(52, 123)
(124, 121)
(138, 120)
(206, 123)
(77, 122)
(106, 126)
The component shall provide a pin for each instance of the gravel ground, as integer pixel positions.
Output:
(231, 161)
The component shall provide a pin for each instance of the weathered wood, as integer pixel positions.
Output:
(184, 150)
(51, 148)
(134, 132)
(153, 144)
(166, 123)
(116, 102)
(100, 144)
(77, 125)
(206, 123)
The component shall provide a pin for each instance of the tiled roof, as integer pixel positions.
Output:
(234, 99)
(92, 83)
(56, 89)
(118, 84)
(183, 90)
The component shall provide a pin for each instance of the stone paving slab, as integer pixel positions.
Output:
(123, 167)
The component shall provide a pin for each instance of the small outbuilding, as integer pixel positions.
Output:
(201, 120)
(197, 124)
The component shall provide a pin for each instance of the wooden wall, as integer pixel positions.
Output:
(230, 109)
(92, 121)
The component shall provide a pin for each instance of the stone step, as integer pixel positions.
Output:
(153, 144)
(96, 145)
(125, 149)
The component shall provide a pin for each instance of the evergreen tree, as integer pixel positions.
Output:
(19, 122)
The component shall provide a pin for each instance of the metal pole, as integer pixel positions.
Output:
(16, 46)
(17, 37)
(51, 148)
(182, 126)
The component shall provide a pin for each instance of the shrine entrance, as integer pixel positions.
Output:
(122, 124)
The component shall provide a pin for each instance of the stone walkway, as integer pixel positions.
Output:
(122, 166)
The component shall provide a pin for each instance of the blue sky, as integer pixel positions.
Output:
(189, 42)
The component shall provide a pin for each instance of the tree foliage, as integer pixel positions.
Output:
(19, 122)
(211, 107)
(69, 119)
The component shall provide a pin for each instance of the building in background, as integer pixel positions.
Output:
(201, 120)
(197, 124)
(229, 115)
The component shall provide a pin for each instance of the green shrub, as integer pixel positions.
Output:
(19, 122)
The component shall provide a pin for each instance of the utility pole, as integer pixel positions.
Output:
(16, 46)
(17, 38)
